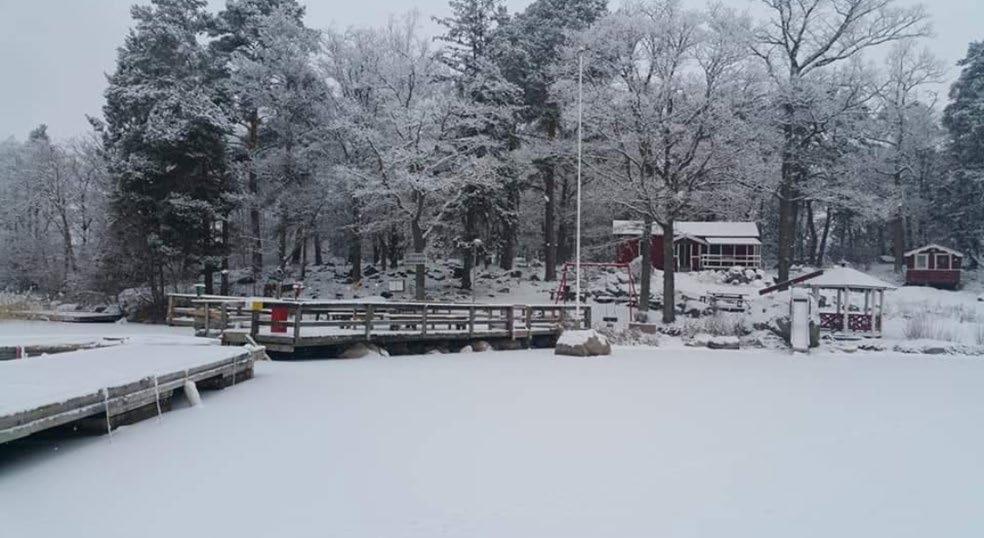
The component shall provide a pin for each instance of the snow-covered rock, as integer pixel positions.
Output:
(584, 343)
(714, 342)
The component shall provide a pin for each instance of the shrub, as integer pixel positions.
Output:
(924, 327)
(716, 325)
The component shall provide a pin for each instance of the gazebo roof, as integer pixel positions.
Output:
(845, 277)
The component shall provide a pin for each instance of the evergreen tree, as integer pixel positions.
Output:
(164, 137)
(962, 195)
(529, 49)
(487, 123)
(239, 31)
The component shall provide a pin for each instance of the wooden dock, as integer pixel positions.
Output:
(69, 316)
(303, 328)
(110, 387)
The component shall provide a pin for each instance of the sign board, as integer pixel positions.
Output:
(397, 285)
(415, 258)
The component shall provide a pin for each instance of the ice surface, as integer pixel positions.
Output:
(522, 444)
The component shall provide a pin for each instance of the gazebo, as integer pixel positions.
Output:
(849, 285)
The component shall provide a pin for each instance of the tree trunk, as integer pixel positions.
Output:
(256, 243)
(318, 259)
(549, 223)
(224, 274)
(669, 269)
(812, 232)
(510, 229)
(898, 242)
(419, 244)
(208, 271)
(787, 222)
(468, 251)
(393, 246)
(646, 271)
(304, 255)
(823, 238)
(564, 232)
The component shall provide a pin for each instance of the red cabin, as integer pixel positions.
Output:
(933, 265)
(698, 245)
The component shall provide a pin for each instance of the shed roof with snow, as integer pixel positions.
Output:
(846, 278)
(934, 246)
(720, 229)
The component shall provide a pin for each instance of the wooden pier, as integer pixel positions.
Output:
(302, 328)
(101, 389)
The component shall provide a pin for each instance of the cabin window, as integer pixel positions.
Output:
(922, 261)
(716, 250)
(943, 261)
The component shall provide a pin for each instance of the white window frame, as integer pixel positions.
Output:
(925, 262)
(949, 265)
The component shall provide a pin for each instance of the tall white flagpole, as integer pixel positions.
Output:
(577, 261)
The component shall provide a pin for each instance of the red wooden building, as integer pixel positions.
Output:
(933, 265)
(698, 245)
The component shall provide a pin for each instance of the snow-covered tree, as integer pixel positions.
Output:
(664, 95)
(800, 42)
(164, 136)
(962, 194)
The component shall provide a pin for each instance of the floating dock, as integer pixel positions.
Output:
(110, 386)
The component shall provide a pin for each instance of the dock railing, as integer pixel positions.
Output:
(299, 319)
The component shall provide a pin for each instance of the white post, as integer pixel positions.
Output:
(577, 260)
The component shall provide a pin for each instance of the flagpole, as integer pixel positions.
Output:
(577, 254)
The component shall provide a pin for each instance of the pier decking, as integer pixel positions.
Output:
(325, 328)
(116, 385)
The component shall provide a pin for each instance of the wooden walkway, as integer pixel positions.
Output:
(325, 328)
(108, 387)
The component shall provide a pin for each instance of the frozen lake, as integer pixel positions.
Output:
(523, 444)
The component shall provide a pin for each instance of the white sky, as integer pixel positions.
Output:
(54, 53)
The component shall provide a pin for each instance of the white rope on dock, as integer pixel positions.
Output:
(157, 398)
(109, 428)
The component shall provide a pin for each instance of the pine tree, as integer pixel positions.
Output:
(962, 195)
(239, 34)
(529, 48)
(164, 137)
(488, 122)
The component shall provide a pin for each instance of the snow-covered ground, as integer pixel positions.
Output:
(647, 442)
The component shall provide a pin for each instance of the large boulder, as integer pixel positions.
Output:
(586, 343)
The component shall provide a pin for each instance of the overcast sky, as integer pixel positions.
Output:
(54, 53)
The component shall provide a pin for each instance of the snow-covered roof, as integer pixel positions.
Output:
(692, 228)
(937, 247)
(732, 241)
(845, 277)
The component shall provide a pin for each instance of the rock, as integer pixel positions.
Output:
(434, 352)
(360, 350)
(466, 349)
(586, 343)
(481, 346)
(386, 294)
(644, 328)
(516, 274)
(714, 342)
(534, 278)
(369, 270)
(503, 290)
(723, 342)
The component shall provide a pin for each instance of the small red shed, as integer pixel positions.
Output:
(933, 265)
